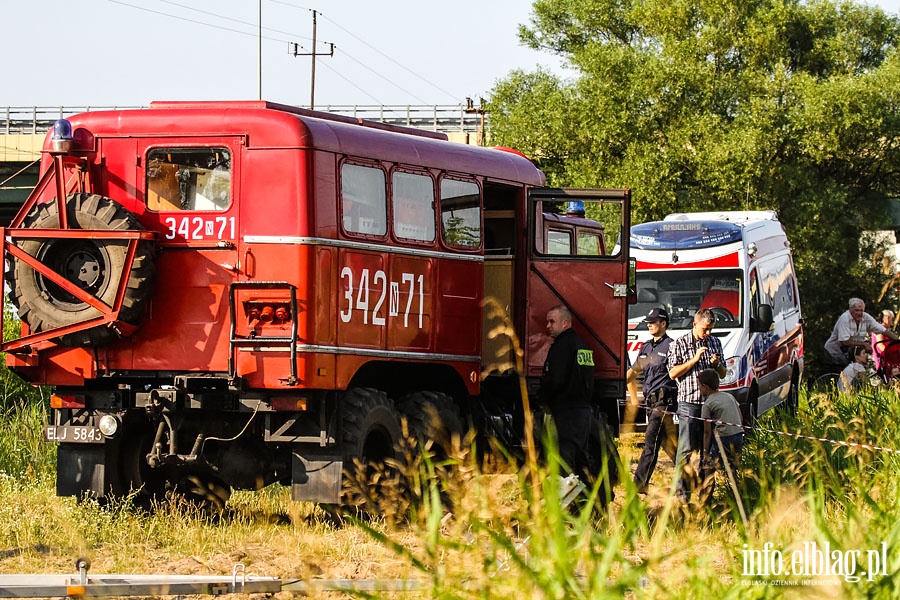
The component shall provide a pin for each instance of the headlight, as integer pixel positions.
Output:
(732, 371)
(109, 425)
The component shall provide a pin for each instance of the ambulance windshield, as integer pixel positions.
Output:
(683, 292)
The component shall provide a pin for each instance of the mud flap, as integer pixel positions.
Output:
(80, 470)
(316, 478)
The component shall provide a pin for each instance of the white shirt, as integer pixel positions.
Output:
(849, 375)
(847, 328)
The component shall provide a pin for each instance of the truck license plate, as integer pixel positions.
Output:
(78, 434)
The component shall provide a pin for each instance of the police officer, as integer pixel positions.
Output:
(567, 389)
(660, 394)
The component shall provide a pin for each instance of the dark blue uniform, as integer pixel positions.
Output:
(660, 393)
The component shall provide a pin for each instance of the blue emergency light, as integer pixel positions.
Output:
(61, 139)
(574, 209)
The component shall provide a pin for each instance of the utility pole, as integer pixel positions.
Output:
(478, 110)
(312, 71)
(313, 54)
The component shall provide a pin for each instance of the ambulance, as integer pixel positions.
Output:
(737, 264)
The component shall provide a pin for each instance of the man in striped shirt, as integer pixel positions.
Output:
(688, 355)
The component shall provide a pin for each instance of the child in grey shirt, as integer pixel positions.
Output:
(719, 406)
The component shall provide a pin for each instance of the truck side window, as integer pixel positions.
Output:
(188, 179)
(589, 244)
(363, 200)
(460, 213)
(412, 198)
(559, 242)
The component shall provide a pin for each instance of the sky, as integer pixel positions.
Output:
(129, 52)
(104, 53)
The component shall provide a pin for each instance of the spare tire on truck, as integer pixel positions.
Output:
(94, 265)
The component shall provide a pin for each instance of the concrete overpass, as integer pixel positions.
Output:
(22, 131)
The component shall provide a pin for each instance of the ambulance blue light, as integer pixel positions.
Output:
(683, 235)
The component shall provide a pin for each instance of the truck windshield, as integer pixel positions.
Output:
(682, 292)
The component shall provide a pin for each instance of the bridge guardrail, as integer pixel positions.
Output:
(444, 118)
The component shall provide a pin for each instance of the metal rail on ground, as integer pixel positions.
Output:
(44, 585)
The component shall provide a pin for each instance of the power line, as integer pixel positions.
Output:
(365, 66)
(377, 101)
(255, 35)
(233, 20)
(404, 67)
(205, 24)
(370, 46)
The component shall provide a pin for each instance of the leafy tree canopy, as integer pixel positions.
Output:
(725, 105)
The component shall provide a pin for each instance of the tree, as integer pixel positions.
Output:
(725, 105)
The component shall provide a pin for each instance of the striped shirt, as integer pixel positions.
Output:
(681, 351)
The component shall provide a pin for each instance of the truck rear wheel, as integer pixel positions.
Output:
(209, 494)
(373, 460)
(433, 421)
(95, 266)
(129, 465)
(150, 486)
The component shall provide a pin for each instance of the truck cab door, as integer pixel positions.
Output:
(578, 257)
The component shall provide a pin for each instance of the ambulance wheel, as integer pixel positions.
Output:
(752, 410)
(95, 266)
(792, 402)
(434, 423)
(372, 450)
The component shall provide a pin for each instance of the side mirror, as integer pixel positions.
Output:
(763, 319)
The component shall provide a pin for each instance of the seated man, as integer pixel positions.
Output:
(853, 329)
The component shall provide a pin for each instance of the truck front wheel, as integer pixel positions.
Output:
(371, 440)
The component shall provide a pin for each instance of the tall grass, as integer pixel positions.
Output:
(800, 494)
(503, 532)
(23, 410)
(23, 453)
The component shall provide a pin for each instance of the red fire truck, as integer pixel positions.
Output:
(244, 293)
